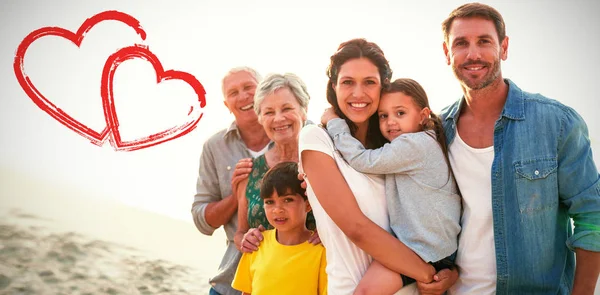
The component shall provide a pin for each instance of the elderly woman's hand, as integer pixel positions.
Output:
(328, 115)
(314, 238)
(252, 239)
(241, 172)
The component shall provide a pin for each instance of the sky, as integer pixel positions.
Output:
(553, 48)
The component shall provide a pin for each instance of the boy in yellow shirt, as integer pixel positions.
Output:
(285, 262)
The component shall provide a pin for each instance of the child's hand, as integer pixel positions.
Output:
(328, 114)
(252, 239)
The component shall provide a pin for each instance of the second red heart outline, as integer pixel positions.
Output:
(108, 101)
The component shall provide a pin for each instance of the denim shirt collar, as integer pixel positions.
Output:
(514, 107)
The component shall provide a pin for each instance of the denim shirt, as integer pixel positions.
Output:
(543, 174)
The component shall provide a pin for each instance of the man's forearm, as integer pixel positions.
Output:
(587, 269)
(219, 213)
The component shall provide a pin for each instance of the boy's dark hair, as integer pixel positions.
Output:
(282, 178)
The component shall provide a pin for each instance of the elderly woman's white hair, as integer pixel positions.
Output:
(273, 82)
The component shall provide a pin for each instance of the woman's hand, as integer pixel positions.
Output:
(241, 172)
(314, 238)
(301, 177)
(252, 239)
(328, 115)
(442, 281)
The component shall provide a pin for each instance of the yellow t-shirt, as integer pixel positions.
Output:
(279, 269)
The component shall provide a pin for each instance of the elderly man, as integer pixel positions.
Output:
(215, 204)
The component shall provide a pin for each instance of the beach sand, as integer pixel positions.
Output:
(57, 240)
(53, 240)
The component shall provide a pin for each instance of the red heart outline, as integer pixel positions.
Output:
(138, 51)
(38, 98)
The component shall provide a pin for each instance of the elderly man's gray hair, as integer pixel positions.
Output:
(246, 69)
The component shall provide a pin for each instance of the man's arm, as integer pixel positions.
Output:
(401, 155)
(579, 191)
(586, 272)
(219, 213)
(209, 210)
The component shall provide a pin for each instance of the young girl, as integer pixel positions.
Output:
(285, 263)
(422, 198)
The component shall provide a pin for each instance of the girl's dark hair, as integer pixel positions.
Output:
(352, 49)
(413, 89)
(282, 178)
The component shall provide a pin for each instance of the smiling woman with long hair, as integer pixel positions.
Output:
(350, 207)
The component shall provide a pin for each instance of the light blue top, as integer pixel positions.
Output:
(422, 199)
(543, 174)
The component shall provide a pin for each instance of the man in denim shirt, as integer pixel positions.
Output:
(524, 166)
(214, 204)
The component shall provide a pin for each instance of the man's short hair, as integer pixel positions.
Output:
(475, 10)
(246, 69)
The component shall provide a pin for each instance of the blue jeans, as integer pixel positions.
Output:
(213, 292)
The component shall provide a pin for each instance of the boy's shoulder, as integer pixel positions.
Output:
(269, 236)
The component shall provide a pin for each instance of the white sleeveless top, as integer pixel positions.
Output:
(346, 262)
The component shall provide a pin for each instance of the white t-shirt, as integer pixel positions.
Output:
(258, 153)
(476, 257)
(346, 262)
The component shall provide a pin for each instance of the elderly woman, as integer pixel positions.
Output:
(280, 102)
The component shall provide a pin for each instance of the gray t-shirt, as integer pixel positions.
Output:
(423, 201)
(220, 154)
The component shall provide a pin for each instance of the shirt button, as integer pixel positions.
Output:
(536, 172)
(229, 168)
